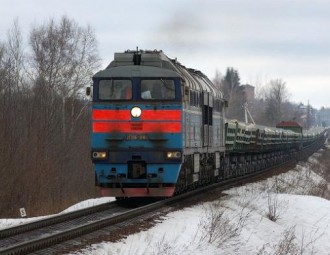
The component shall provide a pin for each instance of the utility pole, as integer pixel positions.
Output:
(247, 114)
(308, 116)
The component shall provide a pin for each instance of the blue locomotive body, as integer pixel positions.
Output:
(152, 120)
(137, 130)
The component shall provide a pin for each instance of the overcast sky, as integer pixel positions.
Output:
(262, 39)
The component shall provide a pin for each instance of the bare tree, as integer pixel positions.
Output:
(275, 96)
(13, 130)
(45, 129)
(64, 57)
(218, 80)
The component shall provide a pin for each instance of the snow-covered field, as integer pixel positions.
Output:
(275, 216)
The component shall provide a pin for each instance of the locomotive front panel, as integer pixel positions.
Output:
(137, 135)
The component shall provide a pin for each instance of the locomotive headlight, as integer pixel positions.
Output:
(173, 154)
(136, 112)
(99, 155)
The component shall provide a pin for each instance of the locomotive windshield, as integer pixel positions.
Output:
(150, 89)
(115, 89)
(158, 89)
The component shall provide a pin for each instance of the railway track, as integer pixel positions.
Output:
(29, 237)
(34, 236)
(39, 235)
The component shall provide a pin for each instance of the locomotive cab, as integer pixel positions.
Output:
(137, 131)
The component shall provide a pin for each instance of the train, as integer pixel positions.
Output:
(159, 128)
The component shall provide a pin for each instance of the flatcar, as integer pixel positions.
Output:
(159, 128)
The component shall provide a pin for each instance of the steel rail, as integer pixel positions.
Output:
(19, 229)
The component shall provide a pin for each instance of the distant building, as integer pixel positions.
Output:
(290, 125)
(248, 91)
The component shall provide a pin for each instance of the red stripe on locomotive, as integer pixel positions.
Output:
(111, 115)
(161, 115)
(137, 127)
(116, 115)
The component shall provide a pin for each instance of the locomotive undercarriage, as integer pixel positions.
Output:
(202, 171)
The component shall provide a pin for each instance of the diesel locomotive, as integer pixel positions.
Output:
(159, 128)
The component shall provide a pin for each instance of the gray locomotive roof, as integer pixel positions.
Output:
(156, 64)
(136, 71)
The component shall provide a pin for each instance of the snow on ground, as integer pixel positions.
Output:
(276, 216)
(239, 222)
(7, 223)
(89, 203)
